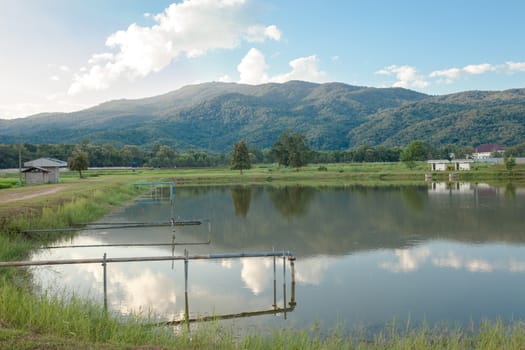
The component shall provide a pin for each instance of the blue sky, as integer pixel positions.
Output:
(65, 55)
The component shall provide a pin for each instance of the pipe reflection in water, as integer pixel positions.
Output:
(274, 310)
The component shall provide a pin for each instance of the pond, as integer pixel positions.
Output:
(365, 256)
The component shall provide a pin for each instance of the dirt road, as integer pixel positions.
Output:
(30, 192)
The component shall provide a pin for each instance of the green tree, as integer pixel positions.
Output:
(164, 157)
(516, 151)
(291, 150)
(240, 157)
(132, 156)
(78, 161)
(509, 161)
(415, 151)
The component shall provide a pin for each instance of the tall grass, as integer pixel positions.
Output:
(73, 317)
(67, 209)
(8, 183)
(489, 335)
(86, 202)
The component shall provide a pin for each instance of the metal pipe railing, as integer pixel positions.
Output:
(124, 245)
(116, 225)
(144, 258)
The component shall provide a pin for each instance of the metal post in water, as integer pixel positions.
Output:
(185, 269)
(284, 284)
(105, 276)
(186, 311)
(274, 284)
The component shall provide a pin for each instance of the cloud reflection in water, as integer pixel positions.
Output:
(470, 259)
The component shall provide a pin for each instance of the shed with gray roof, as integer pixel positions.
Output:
(43, 171)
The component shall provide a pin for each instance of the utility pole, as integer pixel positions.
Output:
(19, 164)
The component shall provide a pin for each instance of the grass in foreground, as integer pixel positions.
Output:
(491, 335)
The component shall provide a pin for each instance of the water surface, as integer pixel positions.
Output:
(365, 255)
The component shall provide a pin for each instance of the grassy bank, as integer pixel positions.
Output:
(77, 201)
(311, 175)
(30, 320)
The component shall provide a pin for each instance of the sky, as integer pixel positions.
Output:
(67, 55)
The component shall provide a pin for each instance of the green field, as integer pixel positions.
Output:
(30, 321)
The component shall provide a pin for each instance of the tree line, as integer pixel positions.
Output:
(288, 150)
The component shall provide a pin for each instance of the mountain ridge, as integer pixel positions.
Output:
(212, 116)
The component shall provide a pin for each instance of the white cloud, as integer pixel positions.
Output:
(227, 263)
(455, 73)
(97, 78)
(16, 110)
(51, 101)
(451, 260)
(478, 68)
(452, 74)
(478, 265)
(188, 29)
(409, 260)
(254, 273)
(311, 271)
(303, 68)
(259, 33)
(454, 261)
(225, 79)
(272, 32)
(54, 78)
(515, 66)
(407, 76)
(100, 58)
(253, 69)
(516, 266)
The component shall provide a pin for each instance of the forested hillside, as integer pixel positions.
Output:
(332, 116)
(464, 119)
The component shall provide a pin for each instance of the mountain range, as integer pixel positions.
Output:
(332, 116)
